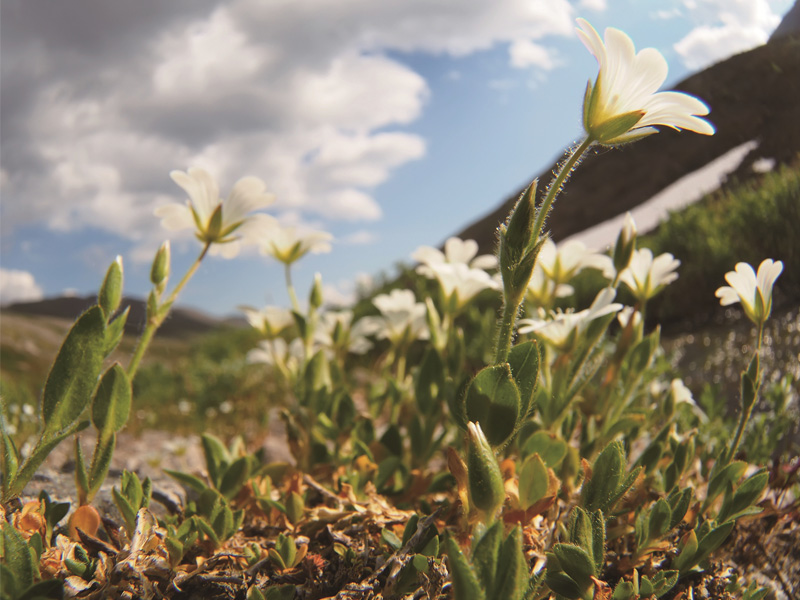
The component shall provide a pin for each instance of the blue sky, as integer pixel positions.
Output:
(390, 124)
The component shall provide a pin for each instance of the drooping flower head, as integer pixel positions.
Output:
(753, 290)
(646, 276)
(220, 222)
(563, 329)
(269, 320)
(623, 105)
(288, 244)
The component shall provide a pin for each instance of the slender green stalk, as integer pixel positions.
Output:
(507, 323)
(290, 287)
(155, 321)
(558, 182)
(747, 410)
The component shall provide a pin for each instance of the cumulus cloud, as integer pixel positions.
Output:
(99, 105)
(724, 28)
(18, 286)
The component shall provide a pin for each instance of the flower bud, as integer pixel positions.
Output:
(626, 244)
(315, 298)
(159, 272)
(486, 489)
(110, 294)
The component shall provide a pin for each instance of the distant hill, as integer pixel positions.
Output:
(753, 96)
(181, 323)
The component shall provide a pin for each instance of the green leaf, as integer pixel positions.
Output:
(660, 518)
(550, 448)
(234, 478)
(745, 496)
(624, 590)
(190, 481)
(512, 568)
(50, 589)
(17, 557)
(74, 373)
(101, 462)
(493, 401)
(127, 511)
(390, 539)
(115, 330)
(280, 592)
(465, 582)
(81, 475)
(729, 475)
(524, 362)
(485, 555)
(607, 473)
(112, 402)
(217, 457)
(10, 455)
(295, 508)
(679, 503)
(429, 383)
(576, 563)
(287, 549)
(533, 481)
(713, 540)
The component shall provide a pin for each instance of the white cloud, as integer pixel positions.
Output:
(362, 237)
(525, 53)
(18, 286)
(595, 5)
(724, 28)
(305, 95)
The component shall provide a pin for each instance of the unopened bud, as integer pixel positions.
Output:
(110, 294)
(626, 244)
(159, 272)
(315, 299)
(486, 489)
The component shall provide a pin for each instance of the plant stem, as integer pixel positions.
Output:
(507, 322)
(155, 321)
(290, 287)
(558, 182)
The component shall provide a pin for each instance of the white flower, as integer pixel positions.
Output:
(460, 283)
(216, 221)
(287, 357)
(563, 329)
(270, 320)
(646, 276)
(336, 329)
(288, 245)
(561, 263)
(456, 251)
(626, 314)
(542, 290)
(402, 319)
(624, 104)
(753, 291)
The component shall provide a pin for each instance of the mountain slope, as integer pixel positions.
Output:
(753, 96)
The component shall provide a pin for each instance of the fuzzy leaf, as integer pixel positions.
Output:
(524, 362)
(429, 383)
(465, 582)
(607, 473)
(576, 563)
(512, 568)
(17, 557)
(485, 555)
(74, 373)
(111, 405)
(235, 477)
(493, 401)
(550, 448)
(534, 481)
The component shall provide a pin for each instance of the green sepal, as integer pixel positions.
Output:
(465, 581)
(159, 271)
(611, 129)
(517, 233)
(74, 373)
(493, 400)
